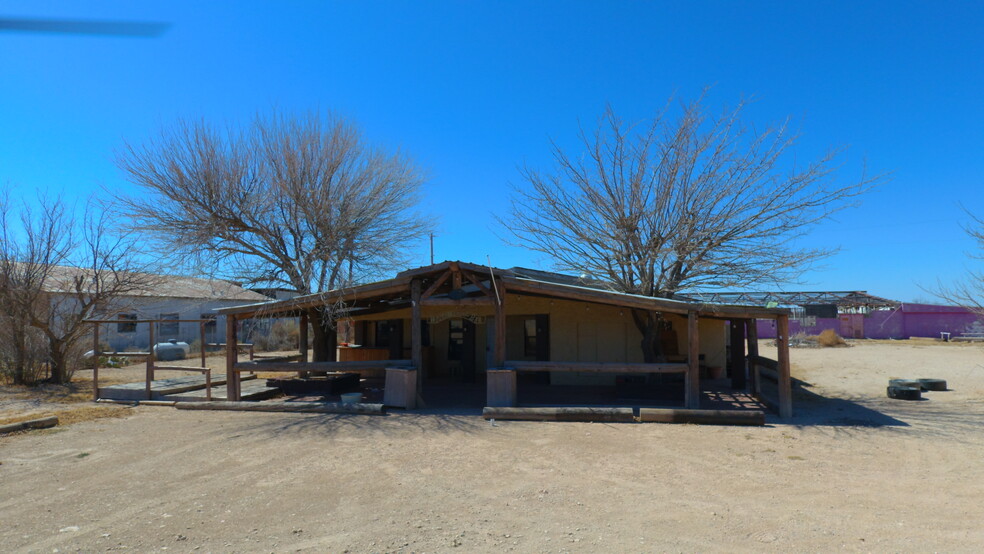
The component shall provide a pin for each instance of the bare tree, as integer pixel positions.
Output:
(968, 292)
(56, 270)
(677, 204)
(301, 201)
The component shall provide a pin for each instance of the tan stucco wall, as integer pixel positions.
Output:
(579, 332)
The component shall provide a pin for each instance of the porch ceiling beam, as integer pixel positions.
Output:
(436, 285)
(474, 280)
(471, 301)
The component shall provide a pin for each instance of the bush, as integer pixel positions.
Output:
(284, 334)
(830, 338)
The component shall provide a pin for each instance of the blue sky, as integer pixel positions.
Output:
(472, 90)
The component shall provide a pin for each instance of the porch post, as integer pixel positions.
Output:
(500, 326)
(95, 361)
(232, 355)
(751, 334)
(416, 335)
(302, 346)
(150, 357)
(737, 327)
(785, 380)
(692, 400)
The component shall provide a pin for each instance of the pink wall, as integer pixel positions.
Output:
(909, 320)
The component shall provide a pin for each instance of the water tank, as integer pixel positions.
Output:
(171, 350)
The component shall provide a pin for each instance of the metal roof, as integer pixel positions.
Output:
(847, 299)
(394, 293)
(61, 280)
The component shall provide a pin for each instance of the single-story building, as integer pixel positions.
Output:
(175, 301)
(501, 330)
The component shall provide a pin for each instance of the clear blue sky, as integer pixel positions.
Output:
(474, 89)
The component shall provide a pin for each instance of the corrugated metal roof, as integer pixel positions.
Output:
(62, 280)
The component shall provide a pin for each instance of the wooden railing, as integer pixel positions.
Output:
(764, 368)
(501, 382)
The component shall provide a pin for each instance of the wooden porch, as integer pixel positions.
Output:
(464, 287)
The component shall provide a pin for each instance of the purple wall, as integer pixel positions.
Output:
(909, 320)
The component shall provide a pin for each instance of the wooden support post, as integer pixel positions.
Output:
(201, 328)
(737, 327)
(692, 399)
(751, 336)
(785, 379)
(232, 354)
(150, 357)
(302, 346)
(95, 361)
(500, 326)
(416, 334)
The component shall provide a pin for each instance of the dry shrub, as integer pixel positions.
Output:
(830, 338)
(284, 334)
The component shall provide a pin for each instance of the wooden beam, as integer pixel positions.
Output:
(594, 367)
(280, 406)
(692, 400)
(302, 345)
(471, 301)
(416, 334)
(706, 417)
(455, 276)
(478, 284)
(40, 423)
(150, 359)
(623, 415)
(499, 348)
(785, 378)
(737, 332)
(435, 285)
(95, 361)
(232, 356)
(319, 366)
(751, 338)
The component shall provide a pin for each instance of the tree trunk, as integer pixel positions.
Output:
(648, 324)
(20, 357)
(59, 365)
(324, 336)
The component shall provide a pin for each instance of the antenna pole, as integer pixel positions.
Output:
(432, 248)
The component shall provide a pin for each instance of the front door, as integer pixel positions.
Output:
(461, 350)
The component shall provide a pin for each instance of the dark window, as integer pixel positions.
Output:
(456, 339)
(384, 334)
(127, 327)
(168, 328)
(529, 338)
(209, 320)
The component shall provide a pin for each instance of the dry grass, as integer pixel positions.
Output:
(68, 416)
(830, 338)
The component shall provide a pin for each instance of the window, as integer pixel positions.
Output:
(209, 321)
(126, 327)
(529, 338)
(168, 328)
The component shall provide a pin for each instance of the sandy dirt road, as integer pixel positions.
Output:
(852, 471)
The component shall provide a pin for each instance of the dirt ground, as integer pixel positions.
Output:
(852, 471)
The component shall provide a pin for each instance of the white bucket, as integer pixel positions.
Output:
(351, 398)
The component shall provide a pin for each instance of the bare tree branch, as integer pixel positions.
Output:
(678, 204)
(301, 201)
(56, 270)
